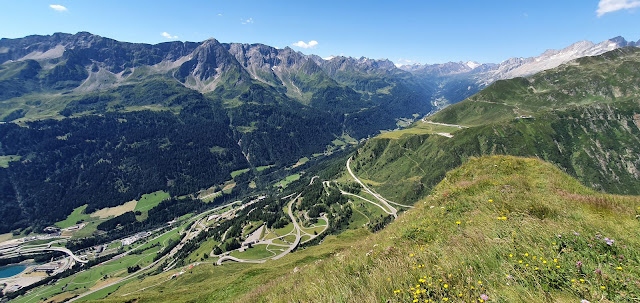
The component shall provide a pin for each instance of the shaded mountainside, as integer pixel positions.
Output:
(108, 160)
(511, 229)
(117, 119)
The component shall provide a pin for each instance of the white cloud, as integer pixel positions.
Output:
(608, 6)
(311, 44)
(247, 21)
(401, 62)
(58, 7)
(168, 36)
(220, 15)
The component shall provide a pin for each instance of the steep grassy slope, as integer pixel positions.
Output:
(598, 144)
(208, 283)
(610, 77)
(512, 229)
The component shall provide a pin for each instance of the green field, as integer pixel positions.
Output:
(4, 160)
(236, 173)
(149, 201)
(358, 219)
(302, 161)
(285, 182)
(284, 230)
(278, 241)
(75, 216)
(255, 253)
(261, 168)
(320, 222)
(88, 229)
(205, 248)
(418, 128)
(102, 293)
(338, 142)
(289, 238)
(162, 240)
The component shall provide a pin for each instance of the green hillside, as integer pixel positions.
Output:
(597, 144)
(610, 77)
(585, 119)
(513, 229)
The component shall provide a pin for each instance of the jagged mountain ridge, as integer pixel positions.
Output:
(198, 65)
(90, 62)
(518, 66)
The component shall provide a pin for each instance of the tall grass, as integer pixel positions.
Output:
(500, 229)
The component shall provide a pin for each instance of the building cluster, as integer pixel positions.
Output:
(135, 238)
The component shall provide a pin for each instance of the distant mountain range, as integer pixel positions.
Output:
(452, 78)
(85, 62)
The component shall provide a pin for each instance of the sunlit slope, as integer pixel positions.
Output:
(511, 229)
(597, 144)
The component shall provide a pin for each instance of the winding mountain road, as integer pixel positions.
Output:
(390, 209)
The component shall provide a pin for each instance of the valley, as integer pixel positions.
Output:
(230, 172)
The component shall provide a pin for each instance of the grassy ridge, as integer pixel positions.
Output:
(512, 229)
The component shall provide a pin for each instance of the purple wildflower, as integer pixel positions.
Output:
(575, 233)
(598, 271)
(579, 264)
(484, 297)
(559, 236)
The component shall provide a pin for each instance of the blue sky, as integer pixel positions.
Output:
(417, 31)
